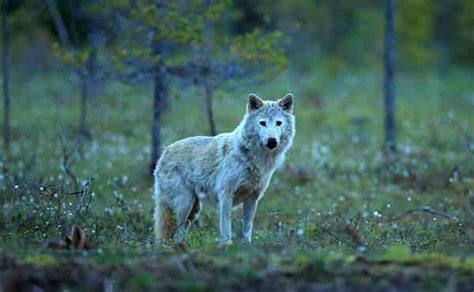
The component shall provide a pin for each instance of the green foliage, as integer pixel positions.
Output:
(41, 259)
(170, 23)
(186, 27)
(351, 32)
(257, 48)
(76, 49)
(461, 35)
(76, 57)
(397, 253)
(216, 11)
(348, 32)
(415, 21)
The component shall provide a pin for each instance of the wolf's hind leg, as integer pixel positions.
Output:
(196, 209)
(184, 210)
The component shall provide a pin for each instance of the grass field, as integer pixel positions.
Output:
(341, 213)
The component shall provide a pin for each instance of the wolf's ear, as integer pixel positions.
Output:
(255, 102)
(287, 102)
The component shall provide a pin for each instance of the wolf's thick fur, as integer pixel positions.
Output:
(231, 168)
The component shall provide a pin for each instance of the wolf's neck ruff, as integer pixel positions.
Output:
(255, 153)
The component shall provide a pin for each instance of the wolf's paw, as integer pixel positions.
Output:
(164, 244)
(225, 242)
(246, 242)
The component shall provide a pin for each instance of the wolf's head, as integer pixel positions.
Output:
(270, 124)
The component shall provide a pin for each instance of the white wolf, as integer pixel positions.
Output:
(230, 168)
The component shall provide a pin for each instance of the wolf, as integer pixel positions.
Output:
(230, 169)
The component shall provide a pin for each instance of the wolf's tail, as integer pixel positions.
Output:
(162, 216)
(159, 212)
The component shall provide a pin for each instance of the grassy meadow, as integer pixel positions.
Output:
(340, 214)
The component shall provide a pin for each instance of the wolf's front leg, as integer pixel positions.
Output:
(225, 220)
(250, 208)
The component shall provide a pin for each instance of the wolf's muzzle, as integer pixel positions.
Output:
(272, 143)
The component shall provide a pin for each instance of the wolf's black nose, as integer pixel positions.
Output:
(272, 143)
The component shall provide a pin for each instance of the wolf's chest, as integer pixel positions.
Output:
(243, 193)
(253, 186)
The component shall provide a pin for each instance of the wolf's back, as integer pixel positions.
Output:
(194, 159)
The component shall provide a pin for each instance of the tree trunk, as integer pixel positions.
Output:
(5, 73)
(160, 91)
(87, 84)
(209, 110)
(84, 88)
(389, 68)
(59, 23)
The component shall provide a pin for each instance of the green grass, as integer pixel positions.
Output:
(339, 207)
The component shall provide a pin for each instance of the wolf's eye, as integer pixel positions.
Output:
(263, 123)
(278, 123)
